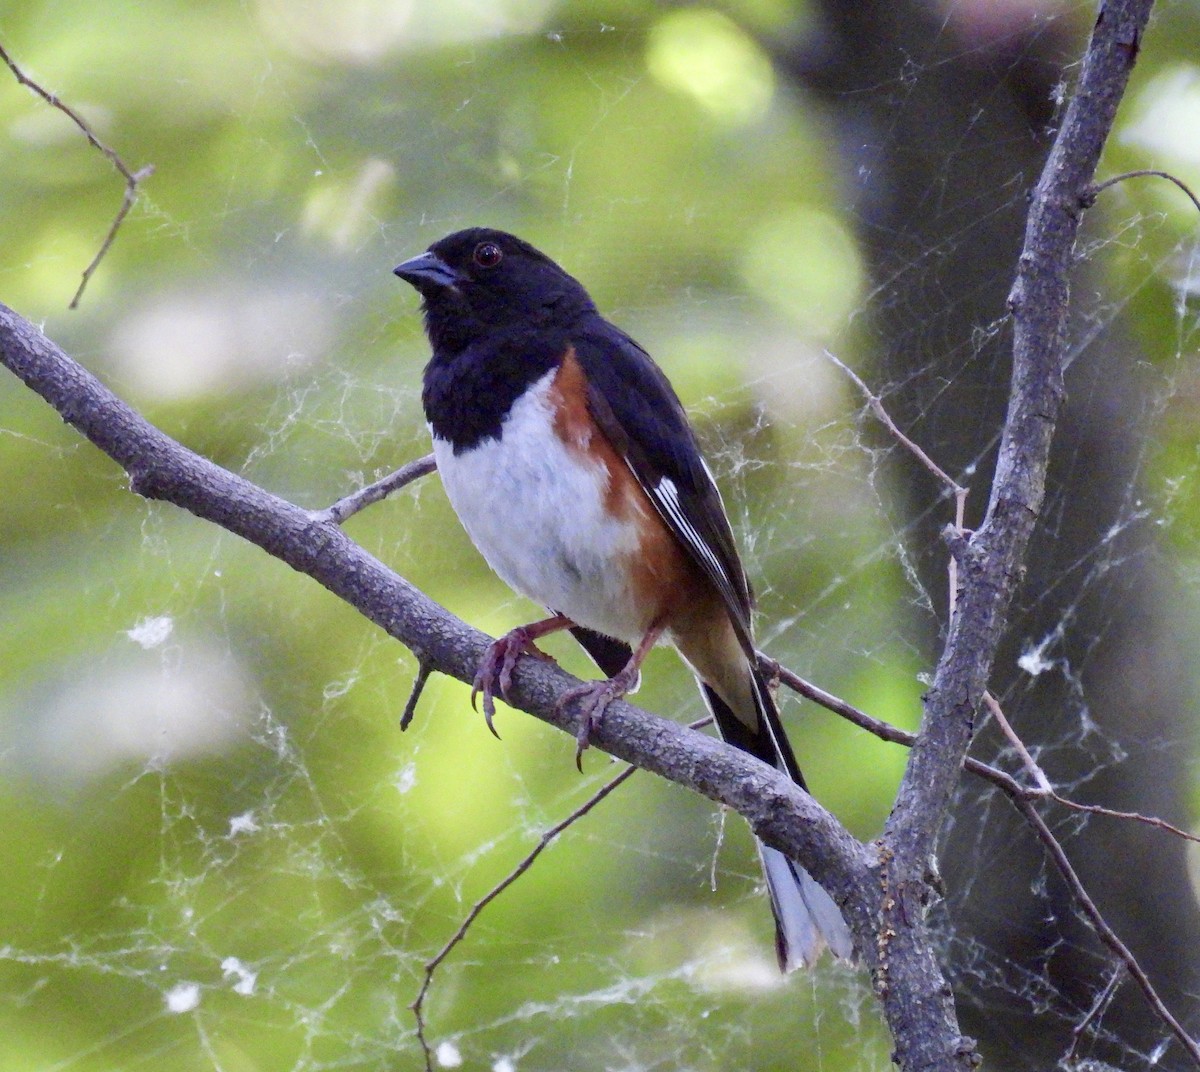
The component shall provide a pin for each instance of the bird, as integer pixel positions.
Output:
(572, 465)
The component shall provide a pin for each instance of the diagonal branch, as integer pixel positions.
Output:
(1106, 934)
(160, 468)
(544, 842)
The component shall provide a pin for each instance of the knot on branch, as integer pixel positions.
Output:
(958, 541)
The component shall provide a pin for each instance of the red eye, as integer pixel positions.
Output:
(488, 255)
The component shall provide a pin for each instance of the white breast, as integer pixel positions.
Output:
(534, 509)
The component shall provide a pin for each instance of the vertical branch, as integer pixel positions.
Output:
(991, 560)
(995, 553)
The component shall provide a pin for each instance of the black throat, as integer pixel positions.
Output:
(468, 392)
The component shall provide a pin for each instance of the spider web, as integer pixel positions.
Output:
(221, 853)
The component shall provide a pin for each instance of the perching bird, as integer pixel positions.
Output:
(571, 464)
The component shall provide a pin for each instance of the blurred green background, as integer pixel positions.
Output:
(218, 851)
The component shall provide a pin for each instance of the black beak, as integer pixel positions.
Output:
(428, 272)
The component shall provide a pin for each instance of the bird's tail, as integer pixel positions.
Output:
(806, 918)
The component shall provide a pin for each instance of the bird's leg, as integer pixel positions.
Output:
(497, 666)
(595, 696)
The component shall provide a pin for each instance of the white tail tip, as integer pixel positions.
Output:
(806, 918)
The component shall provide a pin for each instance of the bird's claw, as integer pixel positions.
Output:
(496, 670)
(483, 684)
(594, 697)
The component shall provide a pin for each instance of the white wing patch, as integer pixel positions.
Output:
(666, 494)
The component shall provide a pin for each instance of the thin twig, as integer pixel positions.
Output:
(132, 178)
(1130, 816)
(1090, 196)
(431, 966)
(953, 486)
(1035, 772)
(373, 493)
(127, 202)
(885, 731)
(877, 407)
(1102, 999)
(1103, 931)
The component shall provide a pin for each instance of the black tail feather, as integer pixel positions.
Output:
(806, 918)
(608, 654)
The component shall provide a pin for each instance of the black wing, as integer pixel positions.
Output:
(636, 407)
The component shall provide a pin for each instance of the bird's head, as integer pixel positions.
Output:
(481, 281)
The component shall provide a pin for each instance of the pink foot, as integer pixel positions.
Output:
(497, 667)
(594, 697)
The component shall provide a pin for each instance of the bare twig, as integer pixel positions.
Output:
(1128, 816)
(1035, 772)
(959, 492)
(1103, 997)
(1090, 195)
(132, 178)
(885, 419)
(1103, 931)
(885, 731)
(431, 966)
(373, 493)
(127, 202)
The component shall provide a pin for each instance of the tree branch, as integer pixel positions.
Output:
(133, 179)
(780, 812)
(994, 554)
(345, 508)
